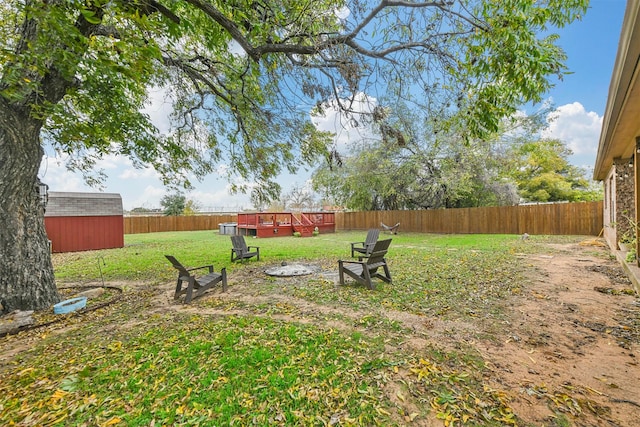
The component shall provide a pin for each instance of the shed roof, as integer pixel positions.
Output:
(83, 204)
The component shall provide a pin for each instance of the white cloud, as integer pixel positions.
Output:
(133, 173)
(219, 200)
(148, 198)
(159, 108)
(577, 128)
(54, 173)
(236, 49)
(137, 187)
(222, 169)
(141, 187)
(342, 13)
(348, 128)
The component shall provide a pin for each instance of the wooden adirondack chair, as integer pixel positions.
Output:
(364, 271)
(195, 286)
(241, 251)
(364, 248)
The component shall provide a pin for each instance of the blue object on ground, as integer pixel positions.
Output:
(70, 305)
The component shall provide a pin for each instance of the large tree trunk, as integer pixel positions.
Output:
(26, 273)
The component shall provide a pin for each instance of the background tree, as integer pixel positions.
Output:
(141, 210)
(191, 207)
(173, 204)
(366, 180)
(429, 169)
(299, 198)
(241, 76)
(276, 206)
(542, 172)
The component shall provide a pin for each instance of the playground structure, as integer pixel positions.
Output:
(274, 224)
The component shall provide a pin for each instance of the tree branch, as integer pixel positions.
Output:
(149, 7)
(228, 25)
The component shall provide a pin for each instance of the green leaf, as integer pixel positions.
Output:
(90, 16)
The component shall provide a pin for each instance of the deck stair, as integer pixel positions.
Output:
(302, 224)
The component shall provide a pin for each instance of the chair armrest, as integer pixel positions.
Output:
(351, 262)
(353, 247)
(210, 267)
(249, 247)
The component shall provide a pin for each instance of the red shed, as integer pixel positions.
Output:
(84, 221)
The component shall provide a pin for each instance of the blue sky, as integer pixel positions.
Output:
(591, 45)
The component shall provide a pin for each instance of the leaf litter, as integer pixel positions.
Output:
(435, 347)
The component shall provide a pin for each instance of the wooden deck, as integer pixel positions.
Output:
(274, 224)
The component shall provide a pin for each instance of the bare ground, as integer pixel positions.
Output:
(569, 344)
(574, 333)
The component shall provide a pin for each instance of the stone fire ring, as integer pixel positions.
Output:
(287, 270)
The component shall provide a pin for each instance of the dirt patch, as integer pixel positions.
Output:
(572, 337)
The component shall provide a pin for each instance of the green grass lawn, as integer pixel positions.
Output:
(301, 351)
(142, 257)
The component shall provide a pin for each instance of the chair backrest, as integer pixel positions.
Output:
(239, 243)
(177, 265)
(379, 251)
(372, 236)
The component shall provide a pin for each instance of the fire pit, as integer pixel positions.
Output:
(286, 270)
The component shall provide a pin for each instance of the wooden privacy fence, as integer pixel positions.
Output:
(560, 219)
(152, 224)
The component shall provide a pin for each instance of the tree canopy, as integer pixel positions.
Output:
(420, 175)
(173, 204)
(542, 172)
(241, 77)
